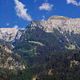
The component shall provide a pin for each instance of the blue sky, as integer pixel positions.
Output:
(18, 13)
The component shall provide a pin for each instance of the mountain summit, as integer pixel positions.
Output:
(56, 33)
(52, 48)
(44, 50)
(59, 22)
(8, 34)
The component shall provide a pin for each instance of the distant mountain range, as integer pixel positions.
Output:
(8, 34)
(50, 49)
(57, 33)
(65, 26)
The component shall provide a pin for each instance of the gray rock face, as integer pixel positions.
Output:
(64, 23)
(56, 33)
(69, 28)
(8, 34)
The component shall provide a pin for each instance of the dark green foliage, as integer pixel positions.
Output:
(52, 56)
(50, 61)
(58, 62)
(15, 75)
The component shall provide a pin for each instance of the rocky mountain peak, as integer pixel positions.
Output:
(8, 34)
(59, 17)
(59, 22)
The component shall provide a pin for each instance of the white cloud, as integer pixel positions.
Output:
(46, 6)
(21, 11)
(74, 2)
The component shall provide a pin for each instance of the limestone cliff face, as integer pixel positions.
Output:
(56, 33)
(64, 23)
(8, 34)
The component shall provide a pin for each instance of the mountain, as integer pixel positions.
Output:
(69, 28)
(10, 34)
(11, 64)
(64, 23)
(56, 33)
(51, 48)
(9, 60)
